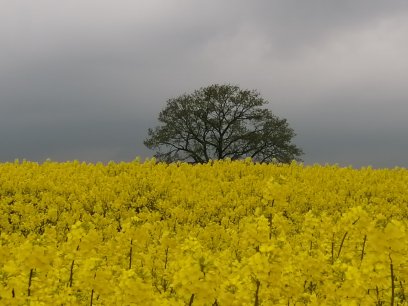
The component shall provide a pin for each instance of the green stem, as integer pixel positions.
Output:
(341, 244)
(332, 252)
(92, 293)
(402, 291)
(392, 282)
(362, 251)
(29, 283)
(191, 300)
(130, 254)
(258, 284)
(71, 273)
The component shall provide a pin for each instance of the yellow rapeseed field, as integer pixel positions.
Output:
(223, 233)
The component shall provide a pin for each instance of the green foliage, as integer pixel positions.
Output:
(218, 122)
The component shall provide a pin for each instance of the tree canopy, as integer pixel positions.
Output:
(218, 122)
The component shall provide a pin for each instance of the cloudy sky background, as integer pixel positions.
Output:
(85, 79)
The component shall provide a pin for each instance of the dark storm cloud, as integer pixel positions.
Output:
(85, 79)
(293, 25)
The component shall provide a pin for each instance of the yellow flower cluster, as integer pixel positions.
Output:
(222, 233)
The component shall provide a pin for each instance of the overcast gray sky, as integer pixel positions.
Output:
(85, 79)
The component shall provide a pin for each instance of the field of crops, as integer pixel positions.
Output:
(225, 233)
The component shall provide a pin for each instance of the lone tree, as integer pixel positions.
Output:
(221, 121)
